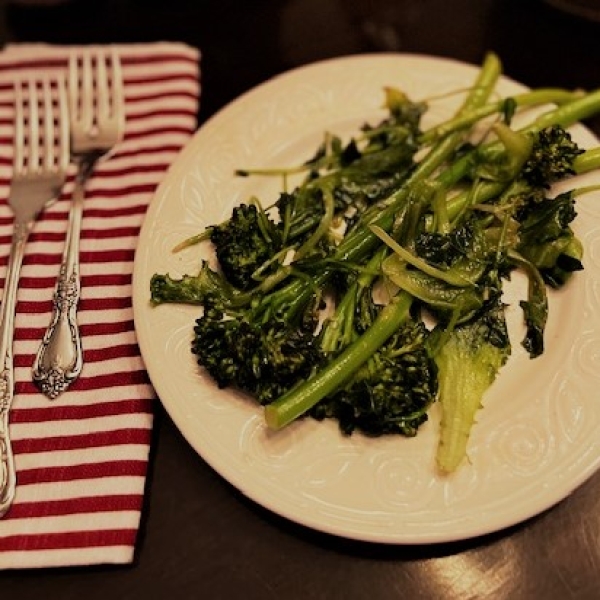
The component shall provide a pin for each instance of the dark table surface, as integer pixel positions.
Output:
(200, 538)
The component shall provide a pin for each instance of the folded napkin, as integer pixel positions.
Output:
(82, 459)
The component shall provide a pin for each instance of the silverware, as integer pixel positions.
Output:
(40, 162)
(97, 117)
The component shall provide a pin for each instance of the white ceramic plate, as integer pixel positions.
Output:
(538, 436)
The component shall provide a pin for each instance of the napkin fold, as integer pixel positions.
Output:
(82, 458)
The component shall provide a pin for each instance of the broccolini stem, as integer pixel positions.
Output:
(302, 398)
(586, 189)
(277, 171)
(339, 331)
(587, 161)
(567, 114)
(192, 241)
(322, 229)
(527, 99)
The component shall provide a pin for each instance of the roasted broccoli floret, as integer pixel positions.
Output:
(391, 392)
(551, 158)
(264, 360)
(244, 243)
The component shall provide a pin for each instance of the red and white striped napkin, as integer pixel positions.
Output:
(82, 459)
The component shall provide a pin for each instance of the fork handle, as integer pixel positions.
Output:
(59, 359)
(8, 477)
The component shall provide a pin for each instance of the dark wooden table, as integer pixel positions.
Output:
(201, 538)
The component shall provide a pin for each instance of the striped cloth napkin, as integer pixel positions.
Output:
(82, 459)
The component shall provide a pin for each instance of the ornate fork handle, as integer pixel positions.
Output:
(97, 123)
(8, 478)
(59, 359)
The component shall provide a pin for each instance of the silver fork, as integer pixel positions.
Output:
(97, 124)
(41, 158)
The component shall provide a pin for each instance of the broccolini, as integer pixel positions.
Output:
(373, 288)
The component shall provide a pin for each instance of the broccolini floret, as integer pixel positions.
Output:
(551, 158)
(244, 243)
(391, 392)
(263, 360)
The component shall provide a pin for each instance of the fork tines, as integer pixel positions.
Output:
(96, 94)
(41, 127)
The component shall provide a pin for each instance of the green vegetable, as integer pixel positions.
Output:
(373, 287)
(244, 243)
(391, 392)
(260, 359)
(468, 362)
(190, 289)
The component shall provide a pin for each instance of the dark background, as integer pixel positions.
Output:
(244, 43)
(200, 538)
